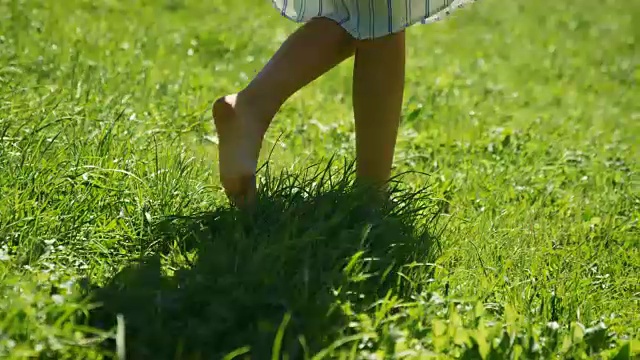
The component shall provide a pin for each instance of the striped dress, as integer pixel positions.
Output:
(366, 19)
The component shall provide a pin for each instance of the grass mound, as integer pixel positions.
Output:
(309, 254)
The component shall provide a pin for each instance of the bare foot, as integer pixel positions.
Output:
(240, 139)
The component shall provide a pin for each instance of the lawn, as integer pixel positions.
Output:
(514, 230)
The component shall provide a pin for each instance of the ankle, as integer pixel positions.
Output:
(374, 193)
(262, 110)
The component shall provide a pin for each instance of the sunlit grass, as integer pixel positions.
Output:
(514, 229)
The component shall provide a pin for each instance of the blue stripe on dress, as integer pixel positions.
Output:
(301, 10)
(427, 11)
(346, 9)
(372, 18)
(390, 15)
(358, 18)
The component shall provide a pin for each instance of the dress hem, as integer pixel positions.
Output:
(438, 16)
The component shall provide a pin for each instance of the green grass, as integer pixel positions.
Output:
(514, 231)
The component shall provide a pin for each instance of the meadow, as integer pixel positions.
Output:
(514, 230)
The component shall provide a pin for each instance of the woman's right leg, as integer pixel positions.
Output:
(242, 119)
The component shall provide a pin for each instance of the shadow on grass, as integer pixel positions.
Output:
(230, 279)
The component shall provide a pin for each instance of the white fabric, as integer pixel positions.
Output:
(365, 19)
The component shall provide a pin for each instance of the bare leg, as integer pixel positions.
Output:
(242, 119)
(377, 101)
